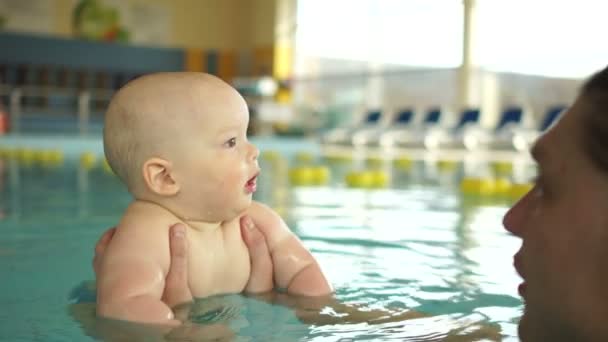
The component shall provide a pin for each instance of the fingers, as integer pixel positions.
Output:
(177, 289)
(260, 279)
(104, 240)
(100, 248)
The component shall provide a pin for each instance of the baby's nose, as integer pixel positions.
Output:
(255, 152)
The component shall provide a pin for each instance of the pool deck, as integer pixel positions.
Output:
(73, 146)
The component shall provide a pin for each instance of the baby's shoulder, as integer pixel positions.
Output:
(145, 224)
(143, 231)
(146, 216)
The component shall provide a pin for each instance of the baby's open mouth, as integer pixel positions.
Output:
(251, 184)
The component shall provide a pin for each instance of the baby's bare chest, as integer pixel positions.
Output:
(218, 264)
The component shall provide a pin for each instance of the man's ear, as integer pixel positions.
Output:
(159, 178)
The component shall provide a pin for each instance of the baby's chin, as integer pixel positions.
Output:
(234, 211)
(227, 214)
(240, 210)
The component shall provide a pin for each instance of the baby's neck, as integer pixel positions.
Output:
(194, 223)
(202, 226)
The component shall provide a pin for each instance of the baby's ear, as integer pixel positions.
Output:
(158, 177)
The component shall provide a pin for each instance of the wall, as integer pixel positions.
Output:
(204, 24)
(63, 15)
(235, 37)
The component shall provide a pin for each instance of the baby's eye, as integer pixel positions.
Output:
(230, 143)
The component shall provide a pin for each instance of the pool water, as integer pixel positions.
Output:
(418, 246)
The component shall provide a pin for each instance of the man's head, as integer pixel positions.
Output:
(563, 222)
(163, 138)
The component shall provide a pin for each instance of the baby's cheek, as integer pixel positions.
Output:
(235, 178)
(227, 189)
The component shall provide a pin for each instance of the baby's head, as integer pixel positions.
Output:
(179, 140)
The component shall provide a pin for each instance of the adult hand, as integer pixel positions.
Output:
(177, 290)
(100, 248)
(261, 275)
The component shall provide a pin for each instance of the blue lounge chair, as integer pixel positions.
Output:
(343, 135)
(458, 136)
(525, 138)
(510, 122)
(371, 136)
(412, 135)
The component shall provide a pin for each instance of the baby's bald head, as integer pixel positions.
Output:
(148, 116)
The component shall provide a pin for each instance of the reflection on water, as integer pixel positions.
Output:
(420, 247)
(286, 318)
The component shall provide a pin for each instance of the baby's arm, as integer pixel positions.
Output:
(295, 269)
(131, 278)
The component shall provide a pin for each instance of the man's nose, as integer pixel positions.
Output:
(513, 221)
(508, 221)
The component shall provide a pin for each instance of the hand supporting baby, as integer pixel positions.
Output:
(176, 282)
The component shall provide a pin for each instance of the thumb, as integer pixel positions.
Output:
(100, 248)
(177, 289)
(254, 239)
(260, 278)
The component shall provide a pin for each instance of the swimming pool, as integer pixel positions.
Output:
(420, 245)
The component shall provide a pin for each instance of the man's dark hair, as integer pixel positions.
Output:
(594, 96)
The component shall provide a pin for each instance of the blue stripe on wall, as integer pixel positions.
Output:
(213, 62)
(18, 48)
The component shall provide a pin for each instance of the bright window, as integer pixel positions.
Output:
(425, 33)
(558, 38)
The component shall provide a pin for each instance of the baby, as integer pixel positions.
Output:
(178, 141)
